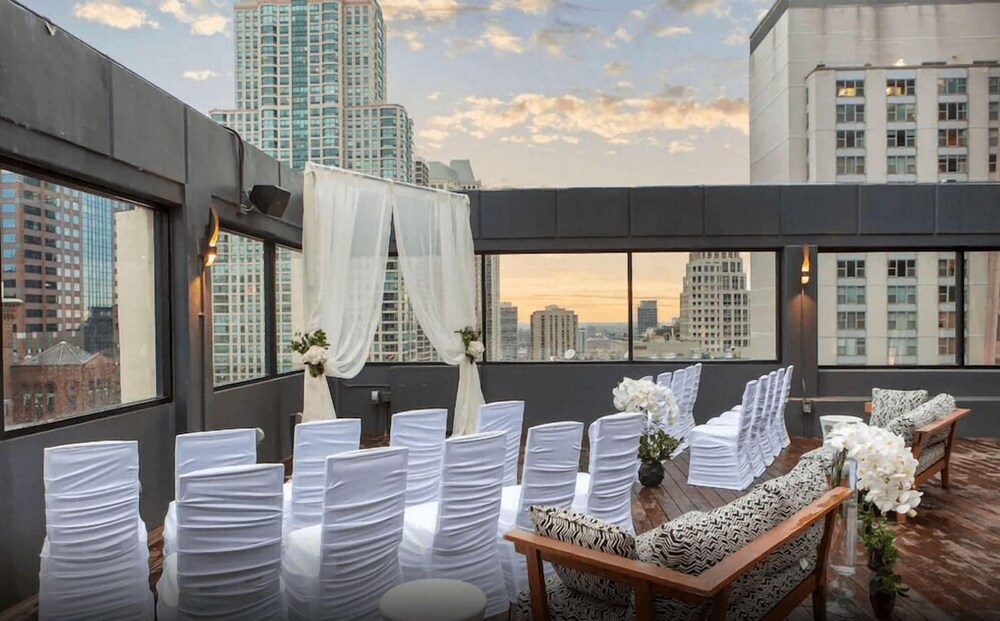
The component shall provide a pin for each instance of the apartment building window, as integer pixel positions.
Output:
(992, 162)
(899, 87)
(953, 111)
(851, 268)
(946, 268)
(850, 139)
(953, 137)
(901, 165)
(953, 164)
(239, 328)
(288, 301)
(901, 320)
(850, 88)
(946, 346)
(951, 86)
(901, 112)
(902, 348)
(901, 138)
(851, 320)
(850, 294)
(901, 294)
(993, 132)
(850, 164)
(946, 294)
(850, 113)
(946, 320)
(850, 347)
(994, 111)
(902, 268)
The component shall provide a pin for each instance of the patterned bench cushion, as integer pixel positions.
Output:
(887, 405)
(803, 485)
(907, 424)
(578, 529)
(930, 454)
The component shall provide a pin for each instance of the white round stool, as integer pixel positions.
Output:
(433, 600)
(828, 422)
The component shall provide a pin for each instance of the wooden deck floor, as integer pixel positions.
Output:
(950, 552)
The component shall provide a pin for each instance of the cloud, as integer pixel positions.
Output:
(618, 120)
(556, 39)
(623, 85)
(549, 138)
(736, 38)
(433, 135)
(672, 31)
(697, 7)
(423, 10)
(200, 75)
(680, 146)
(434, 96)
(114, 14)
(615, 68)
(525, 6)
(494, 36)
(198, 14)
(412, 38)
(623, 34)
(638, 14)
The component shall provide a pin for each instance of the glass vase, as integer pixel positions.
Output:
(844, 547)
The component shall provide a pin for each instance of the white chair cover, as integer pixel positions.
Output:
(203, 450)
(663, 379)
(551, 462)
(719, 456)
(314, 442)
(760, 447)
(94, 560)
(780, 428)
(422, 432)
(455, 538)
(677, 383)
(646, 378)
(228, 559)
(605, 492)
(508, 417)
(770, 446)
(340, 569)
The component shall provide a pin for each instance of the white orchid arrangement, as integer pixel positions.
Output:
(656, 402)
(886, 467)
(472, 341)
(314, 349)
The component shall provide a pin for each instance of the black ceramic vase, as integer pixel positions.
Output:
(882, 602)
(651, 473)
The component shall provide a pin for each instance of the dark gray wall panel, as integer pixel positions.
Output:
(668, 211)
(518, 214)
(968, 208)
(475, 213)
(291, 180)
(896, 209)
(742, 210)
(211, 156)
(53, 83)
(148, 127)
(593, 212)
(819, 210)
(267, 404)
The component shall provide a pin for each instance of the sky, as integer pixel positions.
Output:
(536, 93)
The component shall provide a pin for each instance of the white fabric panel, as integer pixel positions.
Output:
(508, 417)
(718, 458)
(340, 569)
(437, 260)
(314, 442)
(345, 246)
(769, 446)
(780, 427)
(760, 449)
(455, 538)
(614, 444)
(677, 381)
(422, 432)
(94, 560)
(200, 451)
(663, 379)
(228, 559)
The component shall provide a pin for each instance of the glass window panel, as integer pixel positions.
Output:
(97, 348)
(712, 305)
(886, 308)
(982, 308)
(289, 313)
(399, 338)
(238, 314)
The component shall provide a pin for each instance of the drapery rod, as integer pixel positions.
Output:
(384, 180)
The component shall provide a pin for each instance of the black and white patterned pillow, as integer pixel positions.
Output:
(594, 534)
(805, 484)
(907, 424)
(887, 405)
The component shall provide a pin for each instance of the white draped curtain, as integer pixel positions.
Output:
(345, 245)
(437, 259)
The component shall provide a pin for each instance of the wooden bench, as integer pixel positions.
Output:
(712, 586)
(948, 422)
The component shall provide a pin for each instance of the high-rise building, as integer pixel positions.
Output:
(508, 332)
(455, 176)
(421, 172)
(646, 317)
(715, 303)
(553, 333)
(860, 91)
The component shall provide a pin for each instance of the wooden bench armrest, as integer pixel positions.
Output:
(943, 422)
(668, 581)
(868, 407)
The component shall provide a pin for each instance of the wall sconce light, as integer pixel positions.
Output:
(806, 266)
(210, 251)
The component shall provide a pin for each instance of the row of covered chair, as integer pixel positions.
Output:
(683, 384)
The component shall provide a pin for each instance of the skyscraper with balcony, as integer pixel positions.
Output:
(553, 333)
(859, 91)
(715, 303)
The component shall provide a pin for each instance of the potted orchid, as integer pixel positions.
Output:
(314, 349)
(472, 341)
(655, 444)
(885, 477)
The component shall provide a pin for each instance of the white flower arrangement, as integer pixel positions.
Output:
(886, 467)
(314, 349)
(474, 348)
(647, 397)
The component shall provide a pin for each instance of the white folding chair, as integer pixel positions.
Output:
(605, 491)
(508, 417)
(228, 559)
(203, 450)
(314, 442)
(663, 379)
(678, 381)
(423, 433)
(646, 378)
(719, 455)
(342, 567)
(760, 445)
(551, 462)
(95, 559)
(455, 538)
(779, 430)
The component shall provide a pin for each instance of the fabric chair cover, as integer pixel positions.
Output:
(677, 382)
(422, 432)
(760, 448)
(340, 569)
(455, 538)
(718, 452)
(605, 491)
(203, 450)
(314, 442)
(780, 428)
(770, 445)
(95, 559)
(508, 417)
(663, 379)
(228, 559)
(548, 478)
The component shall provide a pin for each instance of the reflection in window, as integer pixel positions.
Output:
(287, 302)
(239, 331)
(72, 344)
(886, 308)
(694, 305)
(982, 308)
